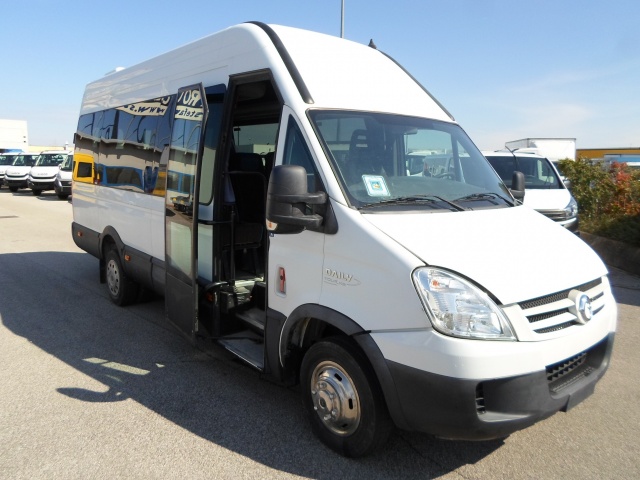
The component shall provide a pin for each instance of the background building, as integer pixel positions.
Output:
(630, 156)
(13, 135)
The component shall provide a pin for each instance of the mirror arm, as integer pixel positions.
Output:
(317, 198)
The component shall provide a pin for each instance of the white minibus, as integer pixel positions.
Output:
(261, 180)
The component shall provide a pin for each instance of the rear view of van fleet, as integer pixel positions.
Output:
(303, 202)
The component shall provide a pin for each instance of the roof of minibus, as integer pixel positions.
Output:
(338, 73)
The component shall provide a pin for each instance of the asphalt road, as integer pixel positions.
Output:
(89, 390)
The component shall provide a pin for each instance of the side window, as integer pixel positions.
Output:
(83, 171)
(211, 134)
(296, 152)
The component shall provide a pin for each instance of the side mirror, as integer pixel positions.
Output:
(287, 200)
(517, 185)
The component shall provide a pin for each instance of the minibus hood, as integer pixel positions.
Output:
(514, 253)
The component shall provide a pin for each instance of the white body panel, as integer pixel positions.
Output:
(138, 218)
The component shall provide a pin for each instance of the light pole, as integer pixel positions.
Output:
(342, 21)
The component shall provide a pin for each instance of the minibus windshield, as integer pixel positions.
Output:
(386, 161)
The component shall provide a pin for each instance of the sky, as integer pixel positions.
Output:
(505, 69)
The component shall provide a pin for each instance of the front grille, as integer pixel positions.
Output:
(553, 312)
(555, 215)
(554, 297)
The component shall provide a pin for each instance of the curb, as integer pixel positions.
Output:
(614, 253)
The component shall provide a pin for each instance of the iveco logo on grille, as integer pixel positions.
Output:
(581, 308)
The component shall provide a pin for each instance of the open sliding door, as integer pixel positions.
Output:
(181, 208)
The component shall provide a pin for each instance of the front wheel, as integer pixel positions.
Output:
(343, 398)
(36, 192)
(122, 290)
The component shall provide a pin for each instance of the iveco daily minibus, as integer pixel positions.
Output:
(261, 180)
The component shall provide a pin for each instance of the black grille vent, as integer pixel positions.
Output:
(567, 372)
(555, 297)
(544, 316)
(555, 328)
(480, 406)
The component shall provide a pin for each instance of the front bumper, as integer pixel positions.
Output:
(45, 184)
(15, 182)
(464, 409)
(62, 188)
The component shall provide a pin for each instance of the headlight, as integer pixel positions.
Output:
(571, 210)
(458, 308)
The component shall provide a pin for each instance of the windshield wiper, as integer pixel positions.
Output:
(413, 199)
(483, 196)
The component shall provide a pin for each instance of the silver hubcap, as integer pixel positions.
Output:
(113, 278)
(335, 398)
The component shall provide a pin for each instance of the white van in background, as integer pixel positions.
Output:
(17, 175)
(261, 179)
(6, 159)
(43, 174)
(544, 189)
(62, 182)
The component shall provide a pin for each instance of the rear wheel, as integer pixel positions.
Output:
(343, 398)
(63, 196)
(36, 192)
(13, 189)
(122, 290)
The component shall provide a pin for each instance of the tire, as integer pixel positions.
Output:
(13, 189)
(122, 290)
(36, 192)
(343, 399)
(63, 196)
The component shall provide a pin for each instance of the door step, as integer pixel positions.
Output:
(254, 318)
(246, 345)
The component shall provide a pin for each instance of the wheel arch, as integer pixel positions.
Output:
(310, 323)
(109, 237)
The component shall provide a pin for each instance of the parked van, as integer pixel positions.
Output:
(17, 175)
(62, 182)
(545, 190)
(6, 159)
(43, 174)
(260, 179)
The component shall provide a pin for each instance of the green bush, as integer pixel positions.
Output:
(608, 198)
